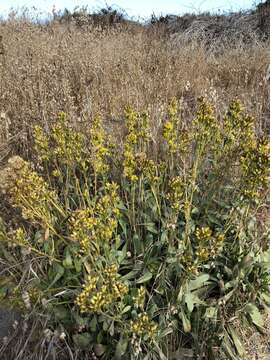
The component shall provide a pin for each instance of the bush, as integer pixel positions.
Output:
(141, 250)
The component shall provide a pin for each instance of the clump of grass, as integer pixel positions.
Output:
(138, 250)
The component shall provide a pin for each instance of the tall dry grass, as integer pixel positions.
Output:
(82, 71)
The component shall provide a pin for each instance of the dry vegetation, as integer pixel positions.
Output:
(87, 68)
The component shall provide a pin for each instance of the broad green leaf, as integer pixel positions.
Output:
(61, 312)
(131, 275)
(138, 244)
(59, 271)
(126, 309)
(145, 277)
(82, 341)
(166, 332)
(198, 282)
(185, 321)
(93, 324)
(236, 340)
(228, 349)
(123, 225)
(121, 348)
(254, 314)
(99, 349)
(151, 227)
(67, 262)
(78, 264)
(266, 298)
(189, 300)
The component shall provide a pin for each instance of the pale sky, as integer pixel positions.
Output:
(136, 8)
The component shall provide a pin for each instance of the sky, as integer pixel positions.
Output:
(136, 8)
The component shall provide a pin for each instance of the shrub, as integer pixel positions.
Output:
(141, 250)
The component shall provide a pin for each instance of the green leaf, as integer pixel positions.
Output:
(189, 300)
(255, 315)
(61, 313)
(79, 320)
(78, 264)
(93, 324)
(198, 282)
(266, 297)
(166, 332)
(151, 227)
(236, 340)
(59, 271)
(99, 349)
(164, 237)
(131, 275)
(126, 309)
(121, 348)
(146, 277)
(123, 225)
(185, 321)
(67, 262)
(138, 244)
(228, 349)
(82, 341)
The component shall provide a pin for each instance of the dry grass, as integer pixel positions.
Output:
(47, 69)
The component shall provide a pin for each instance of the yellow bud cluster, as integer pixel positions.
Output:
(41, 143)
(203, 234)
(139, 299)
(19, 237)
(99, 292)
(176, 192)
(68, 145)
(143, 326)
(255, 165)
(206, 128)
(28, 191)
(239, 128)
(177, 139)
(99, 150)
(96, 225)
(205, 122)
(137, 138)
(208, 243)
(189, 264)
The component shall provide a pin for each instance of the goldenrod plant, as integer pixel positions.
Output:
(137, 256)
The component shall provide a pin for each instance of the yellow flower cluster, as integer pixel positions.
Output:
(68, 144)
(139, 299)
(99, 151)
(99, 292)
(206, 125)
(203, 234)
(239, 128)
(255, 165)
(94, 226)
(143, 326)
(146, 166)
(189, 264)
(170, 128)
(41, 143)
(135, 144)
(207, 243)
(176, 192)
(19, 237)
(28, 191)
